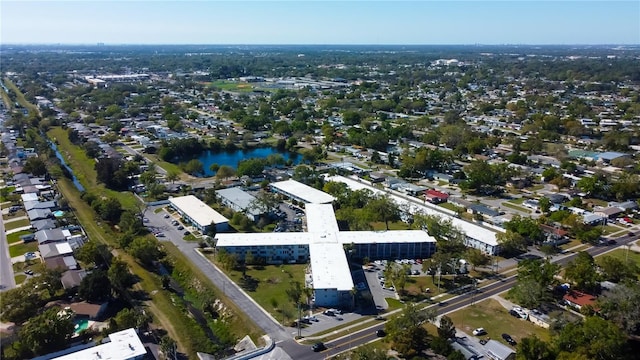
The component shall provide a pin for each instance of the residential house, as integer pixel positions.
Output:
(435, 196)
(577, 299)
(44, 224)
(72, 278)
(48, 236)
(61, 262)
(31, 205)
(482, 209)
(82, 309)
(498, 351)
(38, 214)
(54, 250)
(609, 212)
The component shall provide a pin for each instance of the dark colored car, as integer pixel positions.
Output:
(612, 242)
(509, 339)
(380, 333)
(317, 347)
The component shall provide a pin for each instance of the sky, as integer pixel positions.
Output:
(423, 22)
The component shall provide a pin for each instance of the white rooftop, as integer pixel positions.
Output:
(197, 210)
(124, 345)
(304, 192)
(477, 232)
(329, 266)
(262, 239)
(238, 196)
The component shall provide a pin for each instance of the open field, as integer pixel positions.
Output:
(516, 207)
(232, 86)
(268, 286)
(19, 95)
(493, 317)
(395, 225)
(84, 170)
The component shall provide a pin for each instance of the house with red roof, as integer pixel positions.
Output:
(435, 196)
(578, 300)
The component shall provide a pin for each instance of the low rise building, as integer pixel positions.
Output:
(198, 214)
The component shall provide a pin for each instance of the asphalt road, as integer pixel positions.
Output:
(7, 281)
(358, 338)
(244, 302)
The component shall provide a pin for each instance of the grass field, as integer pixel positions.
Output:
(517, 201)
(20, 278)
(232, 86)
(269, 283)
(21, 248)
(19, 95)
(16, 224)
(84, 170)
(15, 237)
(624, 255)
(449, 206)
(396, 225)
(495, 319)
(515, 207)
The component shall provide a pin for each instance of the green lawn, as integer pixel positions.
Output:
(16, 214)
(16, 224)
(393, 304)
(495, 319)
(20, 278)
(21, 248)
(449, 206)
(268, 283)
(610, 229)
(15, 237)
(19, 95)
(517, 201)
(624, 255)
(232, 86)
(516, 207)
(84, 169)
(396, 225)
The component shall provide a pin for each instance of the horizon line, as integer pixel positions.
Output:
(99, 43)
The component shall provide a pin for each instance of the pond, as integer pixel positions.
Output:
(232, 158)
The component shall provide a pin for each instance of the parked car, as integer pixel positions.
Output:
(509, 339)
(28, 272)
(186, 233)
(146, 220)
(479, 332)
(180, 227)
(311, 318)
(159, 234)
(329, 313)
(317, 347)
(166, 216)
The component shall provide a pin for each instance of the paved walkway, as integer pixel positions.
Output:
(18, 229)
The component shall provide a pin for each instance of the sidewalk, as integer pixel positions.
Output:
(18, 229)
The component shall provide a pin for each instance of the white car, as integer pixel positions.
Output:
(479, 331)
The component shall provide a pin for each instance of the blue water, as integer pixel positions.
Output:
(80, 324)
(232, 158)
(73, 176)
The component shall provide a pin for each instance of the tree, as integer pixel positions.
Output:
(130, 223)
(120, 277)
(582, 272)
(406, 333)
(476, 257)
(35, 165)
(146, 250)
(621, 307)
(363, 353)
(511, 242)
(616, 270)
(545, 204)
(224, 172)
(532, 348)
(382, 208)
(594, 338)
(47, 332)
(193, 167)
(169, 348)
(131, 318)
(535, 278)
(95, 286)
(172, 176)
(20, 304)
(446, 330)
